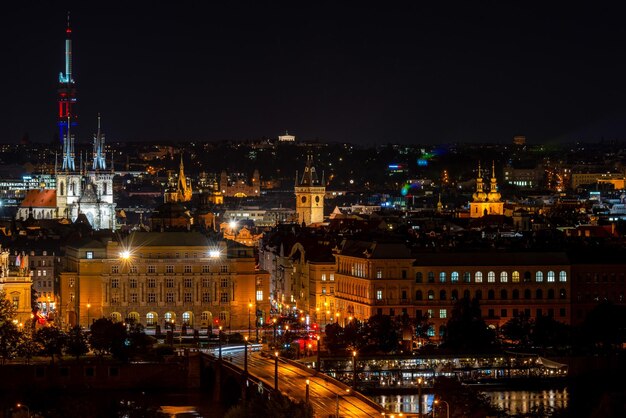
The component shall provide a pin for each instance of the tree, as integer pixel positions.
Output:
(108, 337)
(334, 339)
(548, 332)
(517, 330)
(27, 346)
(9, 334)
(466, 329)
(52, 340)
(382, 333)
(76, 343)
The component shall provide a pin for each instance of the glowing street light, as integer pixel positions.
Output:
(245, 356)
(21, 405)
(447, 406)
(88, 306)
(307, 390)
(219, 339)
(419, 397)
(354, 369)
(249, 326)
(276, 370)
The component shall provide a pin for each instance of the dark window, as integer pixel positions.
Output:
(379, 311)
(562, 294)
(431, 277)
(491, 294)
(539, 312)
(90, 372)
(551, 294)
(418, 295)
(404, 274)
(454, 295)
(466, 294)
(551, 312)
(539, 294)
(562, 312)
(419, 277)
(504, 294)
(491, 313)
(503, 313)
(404, 295)
(515, 312)
(527, 294)
(527, 277)
(515, 295)
(442, 295)
(392, 312)
(479, 294)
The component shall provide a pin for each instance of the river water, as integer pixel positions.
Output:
(512, 401)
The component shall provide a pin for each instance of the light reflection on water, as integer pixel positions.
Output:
(512, 401)
(516, 401)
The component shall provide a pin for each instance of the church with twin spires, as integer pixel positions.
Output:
(486, 203)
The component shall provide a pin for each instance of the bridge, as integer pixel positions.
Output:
(327, 396)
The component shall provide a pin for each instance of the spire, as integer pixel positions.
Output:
(480, 194)
(309, 178)
(493, 169)
(99, 160)
(68, 149)
(493, 195)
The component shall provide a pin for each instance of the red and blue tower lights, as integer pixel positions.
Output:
(66, 89)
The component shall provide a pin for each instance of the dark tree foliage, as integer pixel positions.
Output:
(334, 337)
(76, 342)
(382, 333)
(517, 330)
(466, 330)
(547, 332)
(53, 340)
(108, 337)
(279, 406)
(605, 327)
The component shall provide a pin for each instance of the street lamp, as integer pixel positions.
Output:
(447, 407)
(354, 369)
(337, 315)
(337, 404)
(419, 397)
(88, 306)
(317, 363)
(245, 356)
(276, 370)
(307, 390)
(21, 405)
(249, 327)
(274, 321)
(219, 340)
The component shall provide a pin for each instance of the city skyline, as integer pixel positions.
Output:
(371, 73)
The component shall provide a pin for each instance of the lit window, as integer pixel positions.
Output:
(431, 295)
(442, 277)
(323, 277)
(443, 313)
(491, 277)
(539, 277)
(562, 276)
(478, 277)
(504, 277)
(259, 295)
(550, 276)
(332, 277)
(379, 273)
(454, 278)
(515, 277)
(467, 277)
(89, 255)
(379, 295)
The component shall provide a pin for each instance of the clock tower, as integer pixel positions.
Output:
(309, 195)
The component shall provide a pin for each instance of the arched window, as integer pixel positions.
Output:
(550, 276)
(562, 294)
(454, 295)
(504, 294)
(527, 294)
(431, 277)
(491, 277)
(442, 295)
(538, 294)
(527, 277)
(504, 277)
(431, 295)
(466, 294)
(515, 277)
(151, 318)
(479, 294)
(467, 277)
(478, 277)
(442, 331)
(539, 276)
(454, 278)
(62, 188)
(551, 294)
(491, 295)
(419, 277)
(515, 294)
(562, 276)
(418, 295)
(104, 188)
(442, 277)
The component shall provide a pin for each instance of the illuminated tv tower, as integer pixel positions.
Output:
(66, 89)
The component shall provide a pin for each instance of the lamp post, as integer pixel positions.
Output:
(419, 397)
(21, 405)
(307, 390)
(337, 403)
(88, 306)
(447, 407)
(274, 321)
(337, 315)
(249, 327)
(245, 356)
(219, 340)
(317, 363)
(276, 370)
(354, 369)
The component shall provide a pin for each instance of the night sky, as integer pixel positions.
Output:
(364, 72)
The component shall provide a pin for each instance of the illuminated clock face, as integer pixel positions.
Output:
(303, 199)
(317, 199)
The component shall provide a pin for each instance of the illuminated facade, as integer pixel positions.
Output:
(384, 278)
(182, 192)
(16, 283)
(237, 185)
(310, 193)
(486, 203)
(164, 278)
